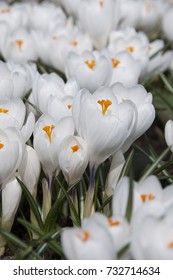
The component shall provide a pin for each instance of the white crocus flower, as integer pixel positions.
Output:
(151, 12)
(145, 109)
(11, 152)
(129, 13)
(99, 19)
(6, 83)
(12, 16)
(90, 242)
(11, 195)
(22, 76)
(145, 194)
(125, 69)
(136, 43)
(153, 238)
(101, 112)
(62, 44)
(29, 170)
(169, 134)
(73, 158)
(19, 46)
(159, 61)
(47, 86)
(166, 24)
(91, 70)
(48, 135)
(118, 228)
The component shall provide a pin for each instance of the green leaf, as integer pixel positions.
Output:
(129, 208)
(32, 203)
(11, 238)
(166, 82)
(154, 165)
(127, 165)
(44, 238)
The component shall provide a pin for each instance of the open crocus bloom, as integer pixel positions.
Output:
(144, 193)
(101, 112)
(152, 239)
(90, 242)
(91, 70)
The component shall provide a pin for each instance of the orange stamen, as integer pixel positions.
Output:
(145, 197)
(69, 106)
(19, 43)
(130, 49)
(74, 43)
(75, 148)
(170, 245)
(91, 64)
(113, 223)
(1, 146)
(115, 62)
(84, 236)
(5, 11)
(2, 110)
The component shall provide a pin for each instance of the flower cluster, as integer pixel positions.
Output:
(72, 97)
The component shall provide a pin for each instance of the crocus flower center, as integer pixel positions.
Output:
(1, 146)
(145, 197)
(130, 49)
(54, 37)
(170, 245)
(115, 62)
(48, 129)
(149, 7)
(19, 44)
(74, 43)
(113, 223)
(101, 3)
(105, 105)
(90, 63)
(84, 236)
(75, 148)
(5, 11)
(4, 111)
(69, 106)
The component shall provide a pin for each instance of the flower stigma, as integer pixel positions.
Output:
(4, 111)
(75, 148)
(84, 236)
(19, 44)
(48, 129)
(113, 223)
(145, 197)
(105, 105)
(115, 62)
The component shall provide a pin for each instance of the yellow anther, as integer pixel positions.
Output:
(5, 11)
(75, 148)
(115, 62)
(54, 37)
(113, 223)
(48, 129)
(74, 43)
(69, 106)
(105, 105)
(1, 146)
(2, 110)
(84, 236)
(91, 64)
(145, 197)
(130, 49)
(101, 3)
(19, 44)
(170, 245)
